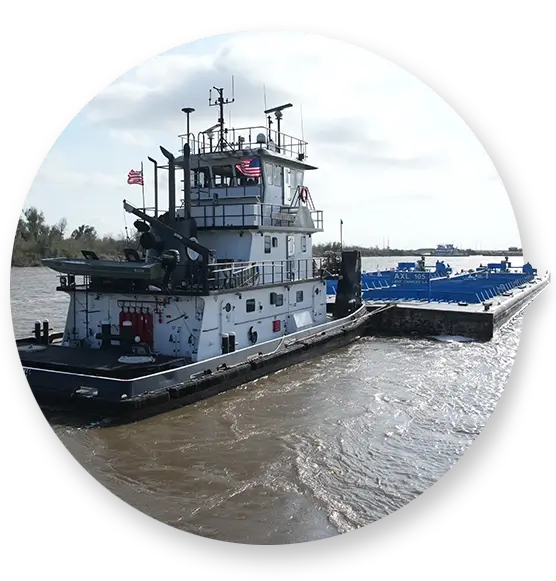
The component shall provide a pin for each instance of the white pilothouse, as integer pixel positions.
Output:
(225, 276)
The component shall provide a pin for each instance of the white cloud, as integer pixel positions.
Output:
(379, 135)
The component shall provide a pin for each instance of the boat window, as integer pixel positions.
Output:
(200, 177)
(222, 176)
(269, 172)
(291, 245)
(243, 180)
(296, 179)
(267, 245)
(277, 175)
(276, 299)
(299, 297)
(274, 242)
(250, 305)
(304, 244)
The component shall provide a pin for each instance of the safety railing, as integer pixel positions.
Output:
(242, 138)
(251, 215)
(242, 274)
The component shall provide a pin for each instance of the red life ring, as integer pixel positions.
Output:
(303, 193)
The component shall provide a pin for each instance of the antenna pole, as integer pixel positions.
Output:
(221, 117)
(279, 116)
(143, 187)
(220, 102)
(187, 111)
(264, 96)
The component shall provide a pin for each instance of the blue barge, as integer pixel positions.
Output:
(410, 282)
(379, 279)
(474, 287)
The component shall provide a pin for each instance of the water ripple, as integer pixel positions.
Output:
(319, 449)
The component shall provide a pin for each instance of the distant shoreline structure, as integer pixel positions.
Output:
(375, 251)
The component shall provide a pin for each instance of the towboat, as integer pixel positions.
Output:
(221, 287)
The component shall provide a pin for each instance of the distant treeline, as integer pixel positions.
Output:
(320, 249)
(35, 239)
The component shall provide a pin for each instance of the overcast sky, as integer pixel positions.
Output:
(395, 161)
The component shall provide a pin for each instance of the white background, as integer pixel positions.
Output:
(331, 12)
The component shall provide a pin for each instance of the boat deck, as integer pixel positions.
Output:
(92, 361)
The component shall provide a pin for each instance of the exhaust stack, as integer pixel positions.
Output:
(171, 184)
(187, 179)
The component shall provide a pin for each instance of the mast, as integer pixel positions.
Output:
(220, 102)
(187, 111)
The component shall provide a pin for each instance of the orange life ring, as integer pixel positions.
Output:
(303, 193)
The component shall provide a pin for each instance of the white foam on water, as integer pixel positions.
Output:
(451, 338)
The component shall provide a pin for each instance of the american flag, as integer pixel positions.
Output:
(250, 167)
(135, 177)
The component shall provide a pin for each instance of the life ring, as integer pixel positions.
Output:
(303, 193)
(252, 335)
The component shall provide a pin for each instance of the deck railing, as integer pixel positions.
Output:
(196, 278)
(244, 215)
(250, 215)
(242, 138)
(237, 275)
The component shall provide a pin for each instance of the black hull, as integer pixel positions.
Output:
(157, 393)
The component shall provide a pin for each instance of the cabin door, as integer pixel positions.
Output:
(227, 316)
(317, 300)
(290, 258)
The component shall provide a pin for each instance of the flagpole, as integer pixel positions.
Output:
(341, 240)
(143, 187)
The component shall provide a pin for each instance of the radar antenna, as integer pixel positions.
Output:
(220, 102)
(278, 114)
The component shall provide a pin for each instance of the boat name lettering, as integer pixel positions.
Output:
(283, 217)
(412, 277)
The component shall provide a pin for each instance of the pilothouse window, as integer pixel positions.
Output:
(277, 175)
(269, 173)
(200, 177)
(243, 180)
(222, 176)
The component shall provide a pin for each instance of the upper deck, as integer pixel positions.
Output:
(256, 137)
